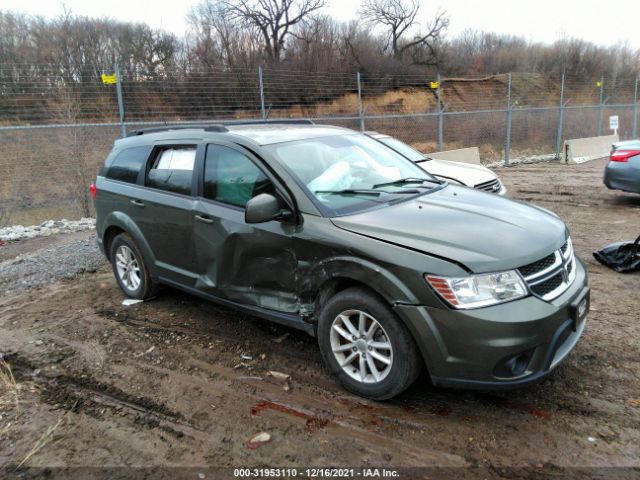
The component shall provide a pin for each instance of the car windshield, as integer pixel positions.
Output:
(403, 149)
(349, 173)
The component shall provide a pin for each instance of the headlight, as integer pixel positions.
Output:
(479, 290)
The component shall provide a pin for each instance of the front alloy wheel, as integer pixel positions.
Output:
(361, 346)
(366, 346)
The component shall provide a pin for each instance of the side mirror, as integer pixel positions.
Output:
(264, 208)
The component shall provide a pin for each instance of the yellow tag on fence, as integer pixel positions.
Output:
(109, 79)
(598, 84)
(433, 85)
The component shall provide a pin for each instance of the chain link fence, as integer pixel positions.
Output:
(56, 127)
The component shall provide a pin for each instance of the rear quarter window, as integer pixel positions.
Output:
(172, 169)
(127, 164)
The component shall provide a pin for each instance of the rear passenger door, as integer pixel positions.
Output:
(252, 264)
(166, 210)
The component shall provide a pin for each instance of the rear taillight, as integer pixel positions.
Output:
(623, 155)
(93, 190)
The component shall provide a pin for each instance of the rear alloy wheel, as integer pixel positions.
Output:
(129, 268)
(366, 346)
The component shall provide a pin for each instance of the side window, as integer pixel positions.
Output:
(127, 164)
(172, 169)
(231, 177)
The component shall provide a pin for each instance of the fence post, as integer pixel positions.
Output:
(123, 128)
(601, 109)
(560, 120)
(440, 119)
(635, 111)
(360, 111)
(507, 147)
(264, 113)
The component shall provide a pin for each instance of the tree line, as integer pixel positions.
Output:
(388, 38)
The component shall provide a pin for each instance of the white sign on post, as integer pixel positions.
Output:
(613, 124)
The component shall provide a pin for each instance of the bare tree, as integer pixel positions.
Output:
(398, 17)
(217, 39)
(65, 103)
(273, 18)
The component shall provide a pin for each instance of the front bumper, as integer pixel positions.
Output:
(468, 348)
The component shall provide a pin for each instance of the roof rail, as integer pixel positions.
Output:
(214, 127)
(219, 126)
(292, 121)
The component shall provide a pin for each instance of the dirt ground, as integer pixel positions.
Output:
(179, 382)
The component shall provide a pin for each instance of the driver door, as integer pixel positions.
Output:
(252, 264)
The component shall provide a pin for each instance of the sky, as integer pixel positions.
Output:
(603, 23)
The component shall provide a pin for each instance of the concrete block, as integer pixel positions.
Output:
(580, 150)
(463, 155)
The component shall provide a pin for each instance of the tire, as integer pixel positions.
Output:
(390, 341)
(126, 257)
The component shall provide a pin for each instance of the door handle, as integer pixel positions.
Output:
(204, 219)
(137, 203)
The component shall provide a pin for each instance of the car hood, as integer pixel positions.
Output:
(467, 174)
(481, 231)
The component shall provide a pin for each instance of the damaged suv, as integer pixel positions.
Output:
(327, 230)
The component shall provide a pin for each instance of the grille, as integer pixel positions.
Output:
(490, 186)
(539, 266)
(552, 275)
(543, 288)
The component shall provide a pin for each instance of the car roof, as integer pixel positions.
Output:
(378, 135)
(261, 134)
(277, 133)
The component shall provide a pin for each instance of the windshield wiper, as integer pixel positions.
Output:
(404, 181)
(425, 159)
(365, 191)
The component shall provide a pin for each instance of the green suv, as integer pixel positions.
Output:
(327, 230)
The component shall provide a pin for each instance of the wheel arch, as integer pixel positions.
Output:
(334, 277)
(107, 239)
(117, 223)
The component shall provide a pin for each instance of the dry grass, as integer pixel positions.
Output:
(45, 439)
(10, 389)
(10, 393)
(5, 430)
(398, 101)
(100, 358)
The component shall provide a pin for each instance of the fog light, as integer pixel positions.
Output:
(513, 365)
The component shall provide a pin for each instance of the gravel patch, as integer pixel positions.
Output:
(523, 160)
(65, 259)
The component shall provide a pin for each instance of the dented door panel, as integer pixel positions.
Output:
(252, 264)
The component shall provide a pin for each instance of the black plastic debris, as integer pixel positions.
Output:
(623, 257)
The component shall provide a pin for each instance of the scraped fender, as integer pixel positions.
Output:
(123, 221)
(385, 284)
(377, 278)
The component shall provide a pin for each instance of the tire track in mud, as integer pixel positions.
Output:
(83, 394)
